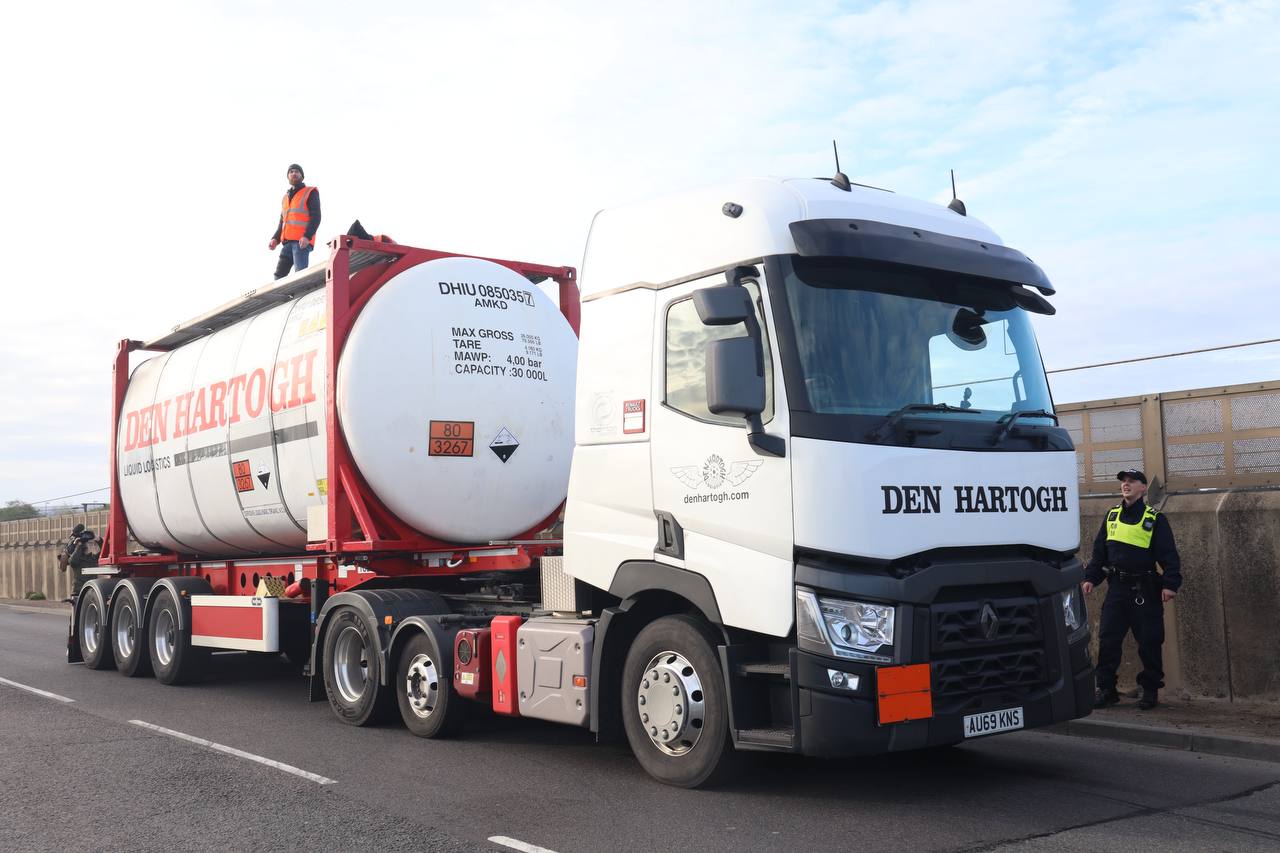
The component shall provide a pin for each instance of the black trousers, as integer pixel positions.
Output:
(1121, 614)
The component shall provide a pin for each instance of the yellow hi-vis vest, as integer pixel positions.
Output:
(1138, 535)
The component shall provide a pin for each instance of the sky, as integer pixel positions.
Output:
(1130, 149)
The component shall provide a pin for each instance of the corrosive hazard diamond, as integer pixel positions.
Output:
(504, 445)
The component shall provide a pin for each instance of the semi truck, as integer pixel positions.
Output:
(779, 472)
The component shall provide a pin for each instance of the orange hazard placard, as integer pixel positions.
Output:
(903, 693)
(452, 438)
(243, 475)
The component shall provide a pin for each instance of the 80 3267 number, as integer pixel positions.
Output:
(452, 438)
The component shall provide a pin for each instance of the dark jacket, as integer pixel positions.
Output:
(313, 208)
(1134, 560)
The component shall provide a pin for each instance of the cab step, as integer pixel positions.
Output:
(765, 669)
(766, 740)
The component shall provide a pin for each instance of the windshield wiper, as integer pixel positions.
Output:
(1007, 422)
(895, 417)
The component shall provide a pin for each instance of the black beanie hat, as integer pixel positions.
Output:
(293, 166)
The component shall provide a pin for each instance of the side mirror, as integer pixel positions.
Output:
(734, 387)
(723, 306)
(966, 330)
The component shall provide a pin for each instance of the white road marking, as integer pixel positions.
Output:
(36, 690)
(519, 845)
(238, 753)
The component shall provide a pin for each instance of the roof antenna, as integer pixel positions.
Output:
(841, 180)
(956, 204)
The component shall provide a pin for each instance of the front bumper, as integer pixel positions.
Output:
(1037, 670)
(834, 723)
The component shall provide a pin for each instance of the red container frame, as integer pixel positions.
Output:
(373, 534)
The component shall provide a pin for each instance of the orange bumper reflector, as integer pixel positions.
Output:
(903, 693)
(387, 620)
(579, 681)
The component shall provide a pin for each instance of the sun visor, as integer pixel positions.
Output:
(896, 244)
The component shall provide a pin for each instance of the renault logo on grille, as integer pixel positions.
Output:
(989, 622)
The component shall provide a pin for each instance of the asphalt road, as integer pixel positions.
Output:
(78, 775)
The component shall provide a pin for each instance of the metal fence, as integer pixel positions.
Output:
(1210, 438)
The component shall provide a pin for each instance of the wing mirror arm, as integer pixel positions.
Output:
(735, 367)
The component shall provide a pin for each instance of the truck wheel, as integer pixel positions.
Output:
(674, 704)
(428, 703)
(128, 639)
(352, 669)
(173, 658)
(95, 633)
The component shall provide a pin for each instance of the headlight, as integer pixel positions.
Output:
(1073, 614)
(848, 629)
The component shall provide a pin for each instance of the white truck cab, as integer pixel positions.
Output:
(812, 422)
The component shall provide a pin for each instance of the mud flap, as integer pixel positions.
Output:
(73, 635)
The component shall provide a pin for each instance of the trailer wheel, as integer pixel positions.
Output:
(428, 703)
(95, 632)
(674, 704)
(128, 639)
(352, 669)
(173, 658)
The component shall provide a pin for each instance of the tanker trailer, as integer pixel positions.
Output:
(395, 412)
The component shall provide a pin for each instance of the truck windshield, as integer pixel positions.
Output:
(873, 338)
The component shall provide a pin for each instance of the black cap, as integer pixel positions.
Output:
(1133, 474)
(293, 166)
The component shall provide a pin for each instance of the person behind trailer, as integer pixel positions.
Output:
(299, 221)
(80, 552)
(1134, 538)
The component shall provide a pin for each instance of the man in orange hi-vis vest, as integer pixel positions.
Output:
(299, 220)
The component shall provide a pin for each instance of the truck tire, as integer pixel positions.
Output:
(429, 705)
(674, 704)
(94, 628)
(173, 658)
(129, 638)
(353, 669)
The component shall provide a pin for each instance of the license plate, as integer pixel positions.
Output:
(992, 722)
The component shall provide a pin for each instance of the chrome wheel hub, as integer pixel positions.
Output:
(166, 639)
(422, 686)
(350, 664)
(126, 630)
(91, 626)
(670, 703)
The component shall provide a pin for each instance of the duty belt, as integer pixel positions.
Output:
(1133, 580)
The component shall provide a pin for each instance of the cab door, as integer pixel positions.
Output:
(731, 504)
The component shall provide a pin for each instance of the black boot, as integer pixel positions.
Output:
(1106, 697)
(1150, 698)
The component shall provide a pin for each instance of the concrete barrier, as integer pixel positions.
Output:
(1222, 632)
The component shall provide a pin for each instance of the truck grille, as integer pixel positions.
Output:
(961, 626)
(1012, 670)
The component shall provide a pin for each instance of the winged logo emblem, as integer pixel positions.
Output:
(715, 474)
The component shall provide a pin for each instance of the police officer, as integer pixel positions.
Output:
(1134, 538)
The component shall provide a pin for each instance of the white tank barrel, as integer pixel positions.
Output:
(455, 396)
